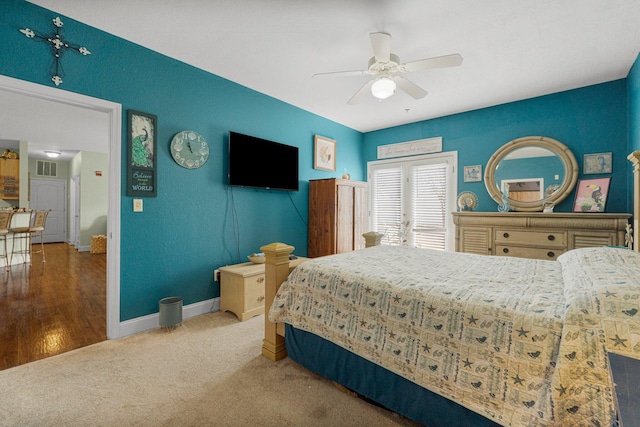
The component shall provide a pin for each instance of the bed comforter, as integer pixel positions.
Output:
(523, 342)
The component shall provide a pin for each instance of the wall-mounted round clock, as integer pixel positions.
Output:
(189, 149)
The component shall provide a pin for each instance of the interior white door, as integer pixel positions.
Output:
(51, 194)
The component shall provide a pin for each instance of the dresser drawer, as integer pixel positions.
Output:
(253, 292)
(548, 239)
(528, 252)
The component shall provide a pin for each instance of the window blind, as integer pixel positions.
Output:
(411, 200)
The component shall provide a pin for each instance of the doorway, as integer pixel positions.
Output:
(81, 103)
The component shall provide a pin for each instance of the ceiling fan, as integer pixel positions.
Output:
(387, 69)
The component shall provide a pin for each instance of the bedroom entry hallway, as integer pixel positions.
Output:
(53, 307)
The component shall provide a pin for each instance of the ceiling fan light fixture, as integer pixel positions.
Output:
(52, 154)
(383, 88)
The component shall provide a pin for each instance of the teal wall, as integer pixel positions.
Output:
(188, 230)
(633, 90)
(588, 120)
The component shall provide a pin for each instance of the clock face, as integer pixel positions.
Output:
(189, 149)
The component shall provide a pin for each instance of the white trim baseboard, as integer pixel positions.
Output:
(152, 321)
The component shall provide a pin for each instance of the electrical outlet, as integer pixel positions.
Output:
(216, 275)
(137, 205)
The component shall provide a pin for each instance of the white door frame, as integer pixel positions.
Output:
(114, 112)
(74, 214)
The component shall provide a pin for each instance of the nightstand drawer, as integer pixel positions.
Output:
(253, 292)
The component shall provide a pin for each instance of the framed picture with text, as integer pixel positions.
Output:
(141, 154)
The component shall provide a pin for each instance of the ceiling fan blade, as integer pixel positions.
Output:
(381, 43)
(429, 63)
(409, 87)
(361, 93)
(342, 73)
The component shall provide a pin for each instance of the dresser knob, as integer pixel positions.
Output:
(505, 250)
(550, 254)
(506, 235)
(261, 298)
(260, 279)
(551, 237)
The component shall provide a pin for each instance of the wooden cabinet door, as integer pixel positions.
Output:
(474, 240)
(344, 221)
(360, 215)
(322, 218)
(10, 178)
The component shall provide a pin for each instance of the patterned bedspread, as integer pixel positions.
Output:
(520, 341)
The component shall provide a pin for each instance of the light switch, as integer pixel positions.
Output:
(137, 205)
(557, 177)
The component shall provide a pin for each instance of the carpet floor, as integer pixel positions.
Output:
(207, 371)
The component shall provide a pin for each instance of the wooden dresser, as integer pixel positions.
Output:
(536, 235)
(338, 216)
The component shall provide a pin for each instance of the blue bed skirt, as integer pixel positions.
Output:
(376, 383)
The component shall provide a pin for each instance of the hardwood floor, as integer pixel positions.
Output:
(53, 307)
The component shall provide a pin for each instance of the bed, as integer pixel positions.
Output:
(461, 339)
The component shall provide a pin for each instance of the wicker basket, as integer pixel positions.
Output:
(98, 244)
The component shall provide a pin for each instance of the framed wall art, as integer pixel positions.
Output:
(324, 153)
(591, 195)
(597, 163)
(141, 154)
(473, 173)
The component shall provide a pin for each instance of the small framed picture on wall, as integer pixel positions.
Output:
(324, 154)
(473, 173)
(597, 163)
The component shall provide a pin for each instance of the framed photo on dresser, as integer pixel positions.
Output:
(591, 195)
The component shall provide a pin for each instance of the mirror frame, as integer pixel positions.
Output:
(558, 148)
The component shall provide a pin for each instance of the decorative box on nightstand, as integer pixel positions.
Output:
(242, 288)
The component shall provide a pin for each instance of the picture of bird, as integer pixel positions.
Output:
(592, 195)
(142, 134)
(596, 193)
(141, 152)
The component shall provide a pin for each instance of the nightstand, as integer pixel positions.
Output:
(242, 288)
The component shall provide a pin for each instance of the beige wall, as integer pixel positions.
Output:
(93, 193)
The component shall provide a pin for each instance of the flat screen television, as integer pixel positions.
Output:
(258, 163)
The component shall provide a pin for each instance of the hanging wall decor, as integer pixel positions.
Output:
(58, 47)
(324, 157)
(142, 165)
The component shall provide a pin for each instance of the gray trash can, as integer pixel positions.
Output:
(170, 312)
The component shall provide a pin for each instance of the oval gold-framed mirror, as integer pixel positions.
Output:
(534, 171)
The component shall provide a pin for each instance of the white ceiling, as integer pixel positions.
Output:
(49, 125)
(512, 49)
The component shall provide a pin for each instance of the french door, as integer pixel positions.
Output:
(412, 200)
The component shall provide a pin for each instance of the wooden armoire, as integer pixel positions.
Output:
(338, 216)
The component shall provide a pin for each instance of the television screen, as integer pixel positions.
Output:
(258, 163)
